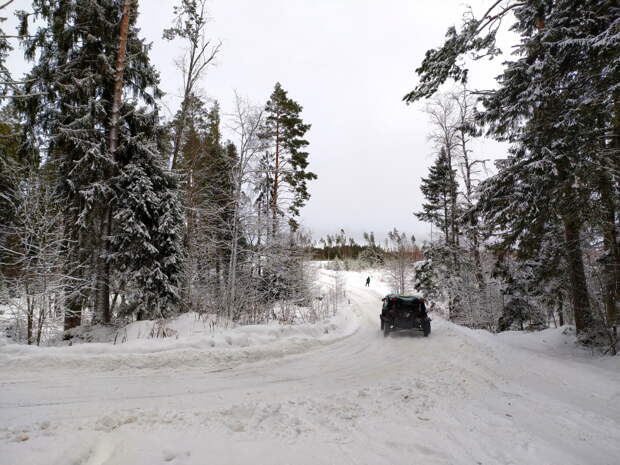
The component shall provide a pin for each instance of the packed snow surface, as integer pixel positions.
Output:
(332, 393)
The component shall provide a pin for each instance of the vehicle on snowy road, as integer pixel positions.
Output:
(404, 312)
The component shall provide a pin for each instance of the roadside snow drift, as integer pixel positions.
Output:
(191, 341)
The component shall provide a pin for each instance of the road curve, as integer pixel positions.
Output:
(456, 397)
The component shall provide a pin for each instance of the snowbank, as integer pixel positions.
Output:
(192, 341)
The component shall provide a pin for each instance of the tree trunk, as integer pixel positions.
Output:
(29, 318)
(40, 326)
(615, 147)
(190, 268)
(610, 241)
(259, 262)
(178, 133)
(73, 313)
(276, 180)
(118, 77)
(477, 261)
(102, 286)
(446, 224)
(579, 290)
(74, 303)
(232, 270)
(475, 237)
(453, 199)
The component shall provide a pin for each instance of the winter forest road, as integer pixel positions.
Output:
(456, 397)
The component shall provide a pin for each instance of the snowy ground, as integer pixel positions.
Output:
(347, 396)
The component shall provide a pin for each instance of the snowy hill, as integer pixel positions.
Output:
(336, 392)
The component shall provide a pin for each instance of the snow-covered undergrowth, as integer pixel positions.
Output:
(192, 341)
(188, 340)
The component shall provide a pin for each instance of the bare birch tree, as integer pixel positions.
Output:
(190, 25)
(246, 124)
(33, 261)
(400, 260)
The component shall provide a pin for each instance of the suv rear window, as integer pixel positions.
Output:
(403, 305)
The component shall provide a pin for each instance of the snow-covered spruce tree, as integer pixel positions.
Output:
(554, 151)
(372, 255)
(287, 161)
(425, 278)
(87, 57)
(11, 164)
(554, 104)
(8, 86)
(439, 189)
(145, 247)
(534, 283)
(11, 156)
(520, 231)
(599, 43)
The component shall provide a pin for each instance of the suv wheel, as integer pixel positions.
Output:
(426, 327)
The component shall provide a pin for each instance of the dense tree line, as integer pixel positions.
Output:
(110, 212)
(549, 216)
(340, 246)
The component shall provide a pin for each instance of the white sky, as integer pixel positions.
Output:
(348, 63)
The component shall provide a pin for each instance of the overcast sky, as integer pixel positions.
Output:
(348, 63)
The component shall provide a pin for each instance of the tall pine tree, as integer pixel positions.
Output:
(122, 215)
(287, 161)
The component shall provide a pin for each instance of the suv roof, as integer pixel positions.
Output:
(406, 298)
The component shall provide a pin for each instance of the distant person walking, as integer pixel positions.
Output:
(368, 281)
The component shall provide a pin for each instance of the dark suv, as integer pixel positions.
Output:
(404, 312)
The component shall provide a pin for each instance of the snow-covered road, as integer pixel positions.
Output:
(457, 397)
